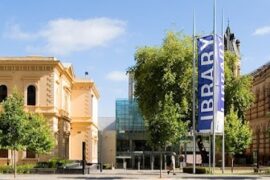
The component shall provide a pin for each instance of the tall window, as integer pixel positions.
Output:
(30, 154)
(3, 92)
(31, 95)
(3, 153)
(66, 102)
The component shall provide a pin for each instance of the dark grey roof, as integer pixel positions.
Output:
(106, 123)
(260, 69)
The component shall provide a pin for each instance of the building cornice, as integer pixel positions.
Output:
(84, 124)
(86, 85)
(40, 63)
(27, 58)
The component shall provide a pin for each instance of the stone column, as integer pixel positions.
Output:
(165, 162)
(143, 165)
(152, 160)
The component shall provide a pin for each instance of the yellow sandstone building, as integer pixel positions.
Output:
(70, 104)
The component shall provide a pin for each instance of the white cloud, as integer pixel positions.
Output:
(117, 76)
(15, 32)
(262, 30)
(64, 36)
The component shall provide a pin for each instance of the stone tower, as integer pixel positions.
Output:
(232, 44)
(131, 84)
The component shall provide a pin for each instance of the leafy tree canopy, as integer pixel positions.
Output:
(163, 87)
(20, 130)
(165, 128)
(163, 73)
(13, 121)
(238, 94)
(164, 69)
(237, 133)
(41, 139)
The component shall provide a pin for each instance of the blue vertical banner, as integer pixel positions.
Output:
(220, 85)
(206, 98)
(205, 83)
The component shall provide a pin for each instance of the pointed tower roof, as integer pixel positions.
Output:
(231, 43)
(228, 30)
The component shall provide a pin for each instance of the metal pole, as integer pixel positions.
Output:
(193, 105)
(223, 152)
(210, 153)
(83, 157)
(223, 134)
(214, 90)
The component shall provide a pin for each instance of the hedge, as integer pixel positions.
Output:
(199, 170)
(21, 169)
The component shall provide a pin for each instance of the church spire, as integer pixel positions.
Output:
(231, 43)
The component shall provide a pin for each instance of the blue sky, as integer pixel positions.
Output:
(101, 36)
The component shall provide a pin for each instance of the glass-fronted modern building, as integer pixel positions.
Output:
(132, 150)
(131, 137)
(128, 117)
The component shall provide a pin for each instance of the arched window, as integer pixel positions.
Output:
(3, 92)
(31, 95)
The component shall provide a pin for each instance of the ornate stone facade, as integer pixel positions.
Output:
(69, 104)
(259, 117)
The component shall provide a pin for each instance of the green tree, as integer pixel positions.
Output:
(160, 70)
(41, 139)
(237, 134)
(238, 94)
(12, 126)
(19, 132)
(12, 123)
(165, 127)
(238, 99)
(163, 89)
(165, 71)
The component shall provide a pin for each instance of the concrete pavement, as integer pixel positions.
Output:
(132, 174)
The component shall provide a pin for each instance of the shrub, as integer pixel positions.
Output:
(42, 165)
(57, 162)
(52, 163)
(107, 166)
(21, 169)
(63, 162)
(267, 171)
(199, 170)
(6, 169)
(25, 168)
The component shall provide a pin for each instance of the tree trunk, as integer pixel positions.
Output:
(15, 165)
(13, 153)
(232, 163)
(12, 159)
(160, 163)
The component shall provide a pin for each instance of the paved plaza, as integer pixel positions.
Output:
(134, 174)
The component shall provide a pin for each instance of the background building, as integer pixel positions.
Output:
(131, 136)
(107, 141)
(132, 149)
(49, 87)
(259, 117)
(131, 144)
(258, 114)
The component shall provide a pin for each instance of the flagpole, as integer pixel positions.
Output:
(223, 134)
(214, 90)
(193, 96)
